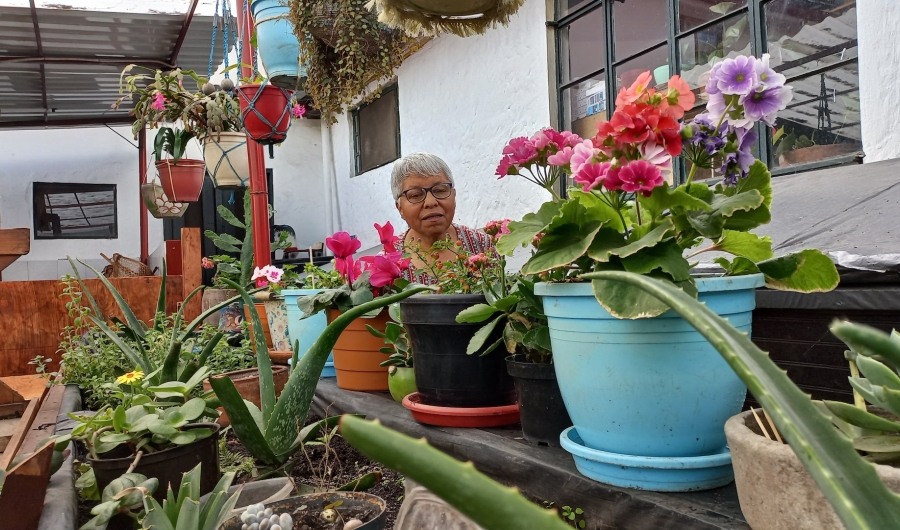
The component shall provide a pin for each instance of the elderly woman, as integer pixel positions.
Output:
(422, 185)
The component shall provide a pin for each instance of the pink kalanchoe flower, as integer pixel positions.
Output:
(582, 154)
(298, 110)
(520, 150)
(591, 175)
(159, 102)
(477, 259)
(387, 237)
(342, 245)
(504, 226)
(640, 176)
(207, 263)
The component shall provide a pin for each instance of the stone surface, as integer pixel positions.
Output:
(423, 510)
(775, 490)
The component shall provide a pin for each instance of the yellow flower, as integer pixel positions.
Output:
(130, 377)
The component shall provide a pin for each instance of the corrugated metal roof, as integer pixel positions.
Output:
(77, 89)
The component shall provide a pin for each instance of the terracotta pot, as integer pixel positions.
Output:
(261, 309)
(357, 355)
(265, 112)
(182, 181)
(247, 384)
(775, 490)
(814, 153)
(280, 357)
(212, 297)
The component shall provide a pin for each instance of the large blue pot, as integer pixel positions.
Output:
(306, 330)
(649, 387)
(278, 47)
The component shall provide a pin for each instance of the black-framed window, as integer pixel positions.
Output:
(376, 131)
(75, 211)
(603, 45)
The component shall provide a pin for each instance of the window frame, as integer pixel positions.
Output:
(82, 187)
(357, 151)
(755, 12)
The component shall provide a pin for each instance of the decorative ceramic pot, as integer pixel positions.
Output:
(276, 315)
(214, 297)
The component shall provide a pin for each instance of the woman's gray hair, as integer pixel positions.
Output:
(424, 164)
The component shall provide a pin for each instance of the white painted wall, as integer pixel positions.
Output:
(461, 99)
(879, 58)
(85, 155)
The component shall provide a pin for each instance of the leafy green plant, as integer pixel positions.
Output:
(854, 490)
(876, 356)
(172, 142)
(124, 495)
(489, 504)
(398, 348)
(231, 462)
(271, 433)
(573, 516)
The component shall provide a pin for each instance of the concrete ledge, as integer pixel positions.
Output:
(546, 473)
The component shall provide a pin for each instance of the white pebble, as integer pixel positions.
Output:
(275, 527)
(254, 526)
(286, 522)
(268, 512)
(330, 515)
(244, 526)
(244, 518)
(264, 524)
(352, 524)
(274, 519)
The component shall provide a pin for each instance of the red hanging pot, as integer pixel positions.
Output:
(265, 111)
(182, 181)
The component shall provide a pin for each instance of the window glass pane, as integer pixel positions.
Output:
(74, 211)
(701, 50)
(583, 48)
(584, 106)
(638, 25)
(692, 13)
(822, 121)
(378, 125)
(656, 61)
(805, 35)
(569, 6)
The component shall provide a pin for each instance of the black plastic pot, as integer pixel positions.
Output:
(543, 413)
(315, 502)
(445, 375)
(167, 466)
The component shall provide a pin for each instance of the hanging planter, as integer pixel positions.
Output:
(278, 48)
(265, 112)
(182, 181)
(227, 160)
(433, 17)
(158, 204)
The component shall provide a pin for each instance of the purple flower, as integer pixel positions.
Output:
(746, 139)
(736, 76)
(764, 103)
(766, 75)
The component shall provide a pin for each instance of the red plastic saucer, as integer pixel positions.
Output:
(461, 417)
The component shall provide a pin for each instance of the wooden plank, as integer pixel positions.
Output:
(27, 386)
(21, 431)
(15, 241)
(191, 271)
(22, 498)
(13, 410)
(44, 424)
(9, 395)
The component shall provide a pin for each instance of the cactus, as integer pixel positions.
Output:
(489, 504)
(272, 434)
(860, 499)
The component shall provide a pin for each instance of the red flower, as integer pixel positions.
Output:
(387, 237)
(591, 175)
(520, 150)
(506, 167)
(342, 245)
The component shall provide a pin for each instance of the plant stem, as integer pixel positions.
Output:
(701, 251)
(137, 458)
(858, 400)
(637, 209)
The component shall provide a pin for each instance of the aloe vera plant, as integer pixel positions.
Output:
(272, 433)
(489, 504)
(860, 499)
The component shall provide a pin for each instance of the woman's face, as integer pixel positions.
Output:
(432, 217)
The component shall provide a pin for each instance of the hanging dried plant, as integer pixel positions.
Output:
(348, 54)
(433, 17)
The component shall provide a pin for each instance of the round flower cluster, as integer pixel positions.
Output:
(266, 275)
(384, 268)
(525, 152)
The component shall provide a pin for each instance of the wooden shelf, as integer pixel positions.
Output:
(14, 242)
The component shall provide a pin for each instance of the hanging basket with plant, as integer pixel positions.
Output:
(433, 17)
(345, 49)
(158, 204)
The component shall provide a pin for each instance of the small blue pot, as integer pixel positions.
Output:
(650, 387)
(306, 330)
(278, 47)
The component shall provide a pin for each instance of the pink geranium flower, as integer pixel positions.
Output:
(631, 94)
(640, 176)
(520, 150)
(342, 245)
(582, 154)
(506, 167)
(540, 140)
(159, 102)
(591, 175)
(387, 237)
(562, 157)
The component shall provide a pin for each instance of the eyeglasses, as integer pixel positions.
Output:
(438, 191)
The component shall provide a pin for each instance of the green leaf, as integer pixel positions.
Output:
(598, 210)
(739, 267)
(710, 224)
(521, 233)
(758, 179)
(623, 300)
(868, 341)
(156, 517)
(600, 248)
(854, 490)
(193, 409)
(375, 332)
(507, 302)
(877, 373)
(115, 438)
(861, 418)
(136, 326)
(877, 444)
(663, 198)
(183, 437)
(133, 357)
(361, 296)
(566, 239)
(476, 313)
(225, 242)
(242, 422)
(807, 271)
(538, 338)
(119, 419)
(745, 244)
(665, 256)
(229, 217)
(482, 335)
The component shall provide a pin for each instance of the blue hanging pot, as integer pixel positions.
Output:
(279, 50)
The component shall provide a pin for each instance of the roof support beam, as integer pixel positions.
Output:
(184, 30)
(84, 60)
(40, 47)
(36, 123)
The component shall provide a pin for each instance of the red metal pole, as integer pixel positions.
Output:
(259, 193)
(142, 174)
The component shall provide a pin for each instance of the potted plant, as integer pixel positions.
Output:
(222, 133)
(276, 43)
(276, 311)
(265, 111)
(401, 375)
(357, 355)
(608, 337)
(774, 489)
(318, 511)
(305, 331)
(433, 17)
(448, 374)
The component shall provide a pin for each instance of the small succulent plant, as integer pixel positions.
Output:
(258, 517)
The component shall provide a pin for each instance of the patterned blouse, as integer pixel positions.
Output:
(473, 241)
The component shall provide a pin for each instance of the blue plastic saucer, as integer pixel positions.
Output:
(653, 473)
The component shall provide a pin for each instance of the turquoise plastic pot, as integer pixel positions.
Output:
(278, 47)
(650, 387)
(306, 330)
